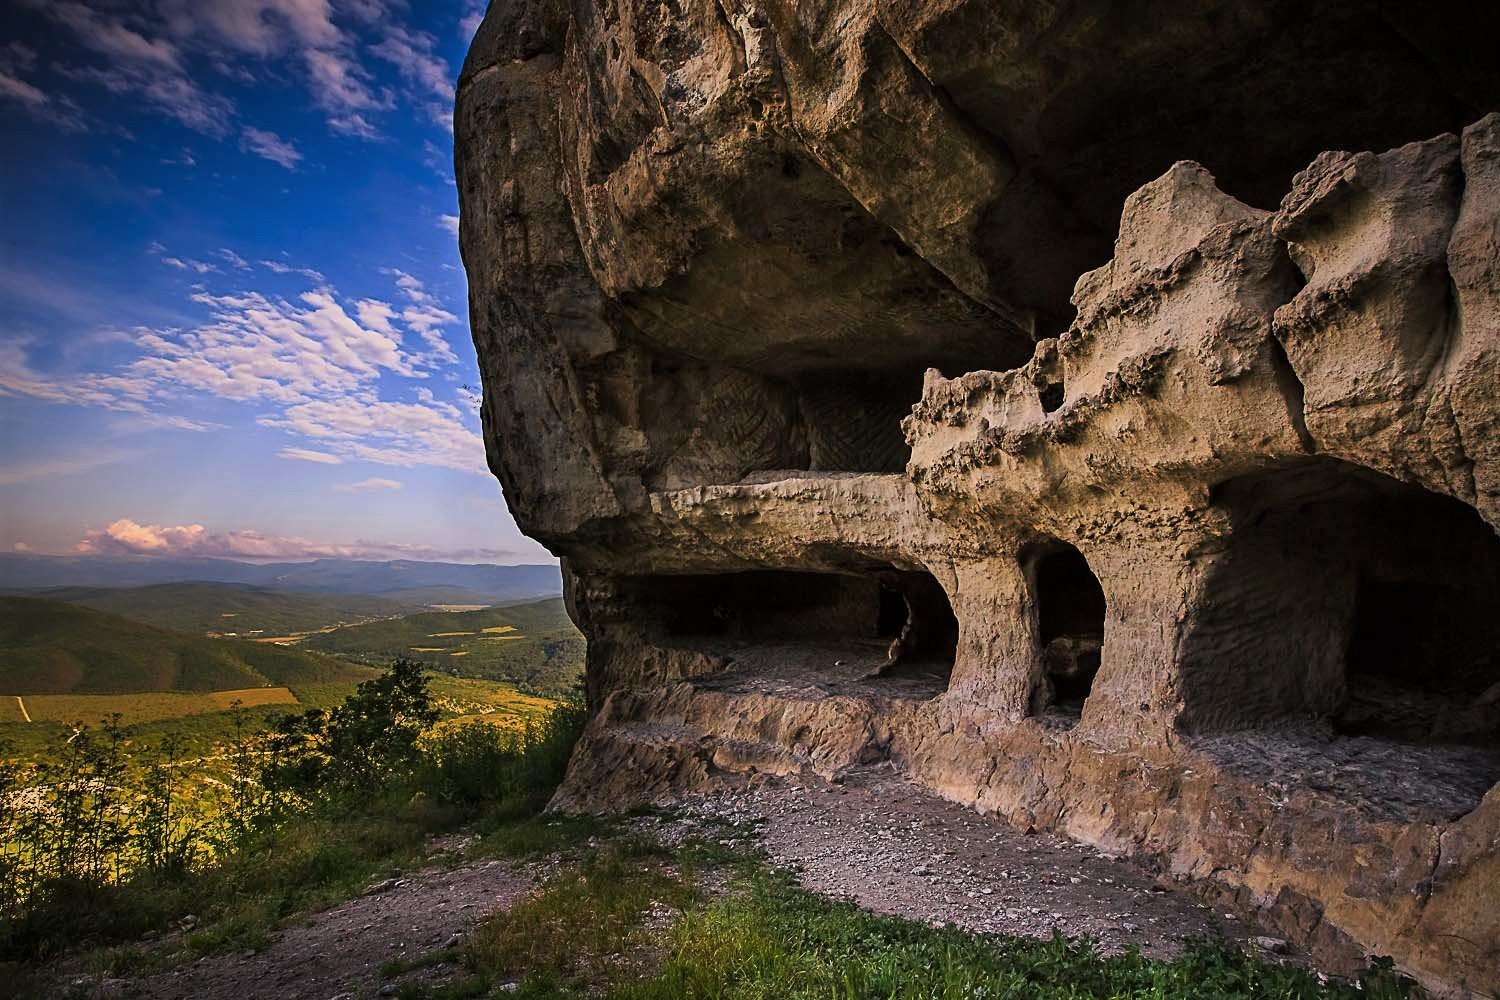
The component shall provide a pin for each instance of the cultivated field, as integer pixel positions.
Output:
(150, 706)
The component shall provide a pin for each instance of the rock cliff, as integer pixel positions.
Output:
(1021, 393)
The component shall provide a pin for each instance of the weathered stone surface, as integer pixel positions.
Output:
(1198, 562)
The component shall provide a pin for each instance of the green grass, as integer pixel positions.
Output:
(598, 930)
(48, 647)
(202, 608)
(543, 651)
(584, 917)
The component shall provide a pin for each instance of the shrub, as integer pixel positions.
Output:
(513, 772)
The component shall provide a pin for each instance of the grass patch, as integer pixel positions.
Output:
(534, 836)
(591, 921)
(598, 930)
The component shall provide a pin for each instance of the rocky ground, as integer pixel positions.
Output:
(339, 953)
(894, 848)
(888, 845)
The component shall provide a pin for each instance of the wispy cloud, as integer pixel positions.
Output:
(282, 267)
(308, 455)
(386, 432)
(449, 222)
(119, 392)
(58, 466)
(151, 69)
(426, 315)
(469, 23)
(128, 537)
(189, 265)
(16, 62)
(270, 146)
(171, 55)
(372, 485)
(317, 358)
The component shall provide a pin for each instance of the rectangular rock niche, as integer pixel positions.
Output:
(825, 629)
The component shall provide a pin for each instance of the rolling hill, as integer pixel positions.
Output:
(49, 647)
(452, 583)
(229, 608)
(534, 645)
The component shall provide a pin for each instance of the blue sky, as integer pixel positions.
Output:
(232, 312)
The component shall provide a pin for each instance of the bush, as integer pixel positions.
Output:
(96, 845)
(513, 772)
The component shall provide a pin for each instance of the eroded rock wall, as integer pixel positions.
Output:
(1198, 562)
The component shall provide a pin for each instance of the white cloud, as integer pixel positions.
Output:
(318, 360)
(281, 267)
(127, 537)
(386, 432)
(372, 485)
(425, 315)
(270, 146)
(188, 264)
(121, 393)
(308, 455)
(449, 222)
(354, 125)
(235, 260)
(469, 23)
(259, 27)
(411, 52)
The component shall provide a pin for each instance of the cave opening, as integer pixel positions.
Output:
(875, 629)
(1070, 611)
(1350, 597)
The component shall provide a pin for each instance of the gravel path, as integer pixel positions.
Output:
(895, 848)
(339, 952)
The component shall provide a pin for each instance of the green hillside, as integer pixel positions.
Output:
(534, 645)
(230, 608)
(48, 647)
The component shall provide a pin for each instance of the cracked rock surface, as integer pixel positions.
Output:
(1138, 412)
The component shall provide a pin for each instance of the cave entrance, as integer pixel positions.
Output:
(1070, 611)
(1349, 596)
(824, 628)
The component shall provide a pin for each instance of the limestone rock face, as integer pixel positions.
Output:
(1158, 437)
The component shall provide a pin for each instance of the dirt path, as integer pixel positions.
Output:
(339, 953)
(888, 845)
(894, 848)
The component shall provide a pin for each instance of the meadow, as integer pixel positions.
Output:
(533, 645)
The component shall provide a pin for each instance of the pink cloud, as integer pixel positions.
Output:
(126, 537)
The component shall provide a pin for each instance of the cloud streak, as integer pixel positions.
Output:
(374, 484)
(269, 146)
(125, 537)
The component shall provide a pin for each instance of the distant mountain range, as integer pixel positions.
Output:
(406, 581)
